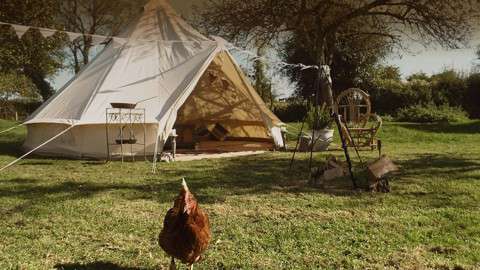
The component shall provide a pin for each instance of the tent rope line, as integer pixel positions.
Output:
(229, 46)
(75, 35)
(12, 128)
(46, 142)
(36, 148)
(259, 58)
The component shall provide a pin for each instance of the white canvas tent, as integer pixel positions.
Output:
(178, 75)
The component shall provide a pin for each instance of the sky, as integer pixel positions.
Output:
(432, 61)
(418, 59)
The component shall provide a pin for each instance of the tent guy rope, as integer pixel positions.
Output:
(11, 128)
(282, 64)
(101, 39)
(36, 148)
(20, 30)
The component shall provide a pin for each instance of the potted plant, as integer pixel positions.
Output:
(320, 126)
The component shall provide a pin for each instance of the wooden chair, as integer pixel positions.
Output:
(355, 108)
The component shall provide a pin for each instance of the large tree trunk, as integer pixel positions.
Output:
(323, 93)
(326, 85)
(324, 77)
(262, 85)
(43, 86)
(327, 74)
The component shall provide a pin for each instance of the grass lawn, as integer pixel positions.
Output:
(86, 215)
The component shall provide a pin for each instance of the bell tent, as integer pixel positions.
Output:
(179, 78)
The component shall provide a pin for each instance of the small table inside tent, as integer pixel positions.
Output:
(125, 131)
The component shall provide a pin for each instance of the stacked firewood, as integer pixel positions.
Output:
(378, 173)
(332, 169)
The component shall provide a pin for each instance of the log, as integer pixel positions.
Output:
(332, 169)
(381, 167)
(334, 173)
(378, 172)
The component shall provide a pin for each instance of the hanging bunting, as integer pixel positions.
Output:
(73, 36)
(20, 30)
(46, 33)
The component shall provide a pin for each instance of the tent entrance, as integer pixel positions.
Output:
(220, 115)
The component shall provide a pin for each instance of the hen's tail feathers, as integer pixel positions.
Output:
(184, 184)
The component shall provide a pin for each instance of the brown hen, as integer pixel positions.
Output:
(186, 230)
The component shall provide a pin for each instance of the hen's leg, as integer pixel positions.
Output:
(172, 265)
(191, 266)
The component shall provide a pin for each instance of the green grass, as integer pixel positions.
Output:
(86, 215)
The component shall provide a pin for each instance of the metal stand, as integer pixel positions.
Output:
(337, 121)
(125, 121)
(297, 144)
(345, 148)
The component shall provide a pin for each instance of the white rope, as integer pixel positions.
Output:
(103, 38)
(145, 100)
(281, 63)
(14, 127)
(36, 148)
(125, 40)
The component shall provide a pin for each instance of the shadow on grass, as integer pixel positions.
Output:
(472, 127)
(211, 184)
(11, 142)
(440, 179)
(13, 149)
(95, 266)
(214, 181)
(438, 165)
(36, 163)
(19, 181)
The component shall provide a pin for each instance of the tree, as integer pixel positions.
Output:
(319, 26)
(262, 84)
(32, 55)
(449, 87)
(16, 86)
(353, 62)
(419, 76)
(89, 17)
(472, 100)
